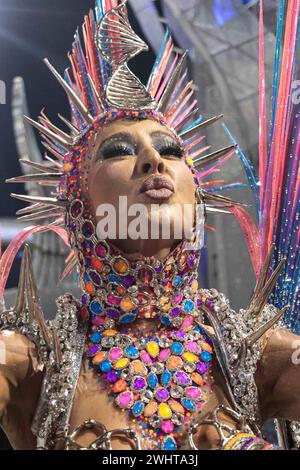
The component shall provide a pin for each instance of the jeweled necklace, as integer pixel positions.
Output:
(157, 376)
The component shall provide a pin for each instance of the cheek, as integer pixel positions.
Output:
(185, 184)
(109, 180)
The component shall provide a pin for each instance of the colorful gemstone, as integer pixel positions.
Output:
(113, 300)
(112, 376)
(132, 352)
(127, 318)
(96, 307)
(166, 378)
(110, 332)
(164, 411)
(76, 209)
(188, 404)
(167, 426)
(96, 337)
(120, 266)
(137, 367)
(177, 348)
(88, 229)
(152, 380)
(101, 250)
(152, 348)
(151, 409)
(105, 366)
(139, 384)
(127, 304)
(169, 444)
(125, 399)
(176, 407)
(201, 367)
(112, 313)
(190, 357)
(121, 363)
(164, 354)
(138, 408)
(119, 386)
(115, 354)
(182, 378)
(145, 357)
(193, 392)
(162, 394)
(197, 379)
(206, 356)
(99, 357)
(175, 362)
(192, 346)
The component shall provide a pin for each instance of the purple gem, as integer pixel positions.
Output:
(139, 383)
(100, 250)
(85, 299)
(93, 350)
(74, 227)
(162, 394)
(76, 209)
(209, 304)
(201, 367)
(182, 378)
(199, 302)
(95, 278)
(175, 312)
(179, 334)
(87, 229)
(112, 313)
(127, 281)
(112, 376)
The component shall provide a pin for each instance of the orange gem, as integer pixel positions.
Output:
(150, 409)
(97, 263)
(127, 304)
(174, 362)
(197, 379)
(120, 266)
(119, 386)
(176, 407)
(138, 367)
(99, 357)
(205, 346)
(109, 333)
(90, 288)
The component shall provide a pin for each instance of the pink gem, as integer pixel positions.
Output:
(99, 321)
(164, 354)
(113, 300)
(187, 323)
(193, 392)
(192, 346)
(145, 357)
(125, 399)
(167, 426)
(177, 298)
(115, 353)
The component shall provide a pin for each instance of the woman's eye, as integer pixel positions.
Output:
(171, 151)
(117, 150)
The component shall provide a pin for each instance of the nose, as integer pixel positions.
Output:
(150, 162)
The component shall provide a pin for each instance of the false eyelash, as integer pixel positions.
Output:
(117, 150)
(171, 150)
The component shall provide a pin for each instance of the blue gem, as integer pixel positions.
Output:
(131, 352)
(138, 408)
(127, 318)
(177, 348)
(169, 444)
(96, 337)
(95, 307)
(188, 306)
(177, 281)
(114, 278)
(152, 380)
(166, 378)
(165, 320)
(105, 366)
(205, 356)
(188, 404)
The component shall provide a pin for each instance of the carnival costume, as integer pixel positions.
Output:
(161, 379)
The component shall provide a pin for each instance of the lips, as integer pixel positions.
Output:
(157, 188)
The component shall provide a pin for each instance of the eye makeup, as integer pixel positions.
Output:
(166, 146)
(118, 146)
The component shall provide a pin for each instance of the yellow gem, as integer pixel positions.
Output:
(164, 411)
(190, 357)
(127, 304)
(121, 363)
(153, 348)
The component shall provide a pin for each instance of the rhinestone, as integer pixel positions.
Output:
(147, 396)
(154, 421)
(125, 374)
(141, 344)
(176, 392)
(157, 368)
(108, 342)
(190, 367)
(164, 342)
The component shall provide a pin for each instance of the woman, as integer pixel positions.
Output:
(145, 359)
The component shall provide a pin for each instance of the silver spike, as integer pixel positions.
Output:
(43, 214)
(264, 274)
(186, 120)
(216, 210)
(202, 125)
(54, 163)
(56, 130)
(43, 178)
(40, 200)
(71, 126)
(33, 301)
(54, 152)
(163, 102)
(30, 209)
(226, 201)
(260, 301)
(45, 166)
(68, 269)
(71, 94)
(207, 159)
(20, 305)
(48, 133)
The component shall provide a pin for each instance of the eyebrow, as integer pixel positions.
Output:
(119, 135)
(162, 133)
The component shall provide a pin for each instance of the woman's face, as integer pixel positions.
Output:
(142, 162)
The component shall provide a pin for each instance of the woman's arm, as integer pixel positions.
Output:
(278, 376)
